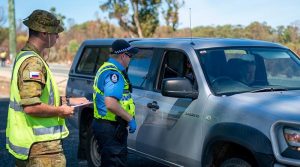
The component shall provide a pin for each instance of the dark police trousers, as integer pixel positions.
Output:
(112, 140)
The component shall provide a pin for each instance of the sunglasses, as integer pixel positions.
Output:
(128, 54)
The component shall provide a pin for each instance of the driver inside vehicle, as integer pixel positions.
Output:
(241, 70)
(248, 70)
(189, 72)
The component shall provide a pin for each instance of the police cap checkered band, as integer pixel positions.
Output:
(121, 46)
(123, 50)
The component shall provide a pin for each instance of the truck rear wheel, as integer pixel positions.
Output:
(235, 162)
(93, 157)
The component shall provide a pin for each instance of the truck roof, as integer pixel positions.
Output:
(196, 43)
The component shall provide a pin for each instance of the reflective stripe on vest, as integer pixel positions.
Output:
(49, 130)
(20, 150)
(51, 98)
(126, 97)
(15, 105)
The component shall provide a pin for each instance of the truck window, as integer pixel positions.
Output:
(238, 70)
(176, 64)
(139, 67)
(91, 59)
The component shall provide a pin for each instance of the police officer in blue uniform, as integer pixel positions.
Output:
(114, 109)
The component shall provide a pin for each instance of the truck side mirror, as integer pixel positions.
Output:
(178, 87)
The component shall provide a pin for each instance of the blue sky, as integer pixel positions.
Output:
(203, 12)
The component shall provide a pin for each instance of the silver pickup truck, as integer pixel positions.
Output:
(201, 101)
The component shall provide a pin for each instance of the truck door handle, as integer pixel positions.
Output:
(153, 105)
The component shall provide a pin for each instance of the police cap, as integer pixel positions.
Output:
(43, 21)
(121, 46)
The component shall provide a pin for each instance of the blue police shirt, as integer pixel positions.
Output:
(111, 83)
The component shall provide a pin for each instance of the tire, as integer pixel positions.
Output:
(235, 162)
(93, 157)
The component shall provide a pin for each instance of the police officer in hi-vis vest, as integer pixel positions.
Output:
(114, 109)
(35, 123)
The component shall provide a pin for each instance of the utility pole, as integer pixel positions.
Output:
(12, 29)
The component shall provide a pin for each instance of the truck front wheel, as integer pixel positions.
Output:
(236, 162)
(93, 157)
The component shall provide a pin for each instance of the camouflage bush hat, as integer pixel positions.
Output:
(43, 21)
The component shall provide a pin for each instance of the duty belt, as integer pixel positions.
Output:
(106, 121)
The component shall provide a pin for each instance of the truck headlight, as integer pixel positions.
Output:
(292, 137)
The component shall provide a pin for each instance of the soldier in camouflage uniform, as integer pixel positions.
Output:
(31, 83)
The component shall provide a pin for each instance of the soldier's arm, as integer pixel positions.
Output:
(45, 110)
(73, 100)
(31, 86)
(78, 100)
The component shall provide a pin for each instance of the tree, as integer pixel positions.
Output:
(260, 31)
(171, 13)
(290, 34)
(140, 17)
(3, 31)
(3, 34)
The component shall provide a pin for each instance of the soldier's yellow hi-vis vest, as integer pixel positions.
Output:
(22, 129)
(126, 101)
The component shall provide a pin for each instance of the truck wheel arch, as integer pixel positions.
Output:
(235, 136)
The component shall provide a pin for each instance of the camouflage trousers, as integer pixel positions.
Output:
(44, 154)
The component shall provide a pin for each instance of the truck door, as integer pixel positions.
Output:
(164, 128)
(140, 73)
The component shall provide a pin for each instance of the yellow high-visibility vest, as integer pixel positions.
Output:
(22, 129)
(126, 101)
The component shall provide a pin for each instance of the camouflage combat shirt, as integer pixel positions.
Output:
(31, 88)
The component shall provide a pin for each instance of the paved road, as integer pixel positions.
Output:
(6, 160)
(60, 73)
